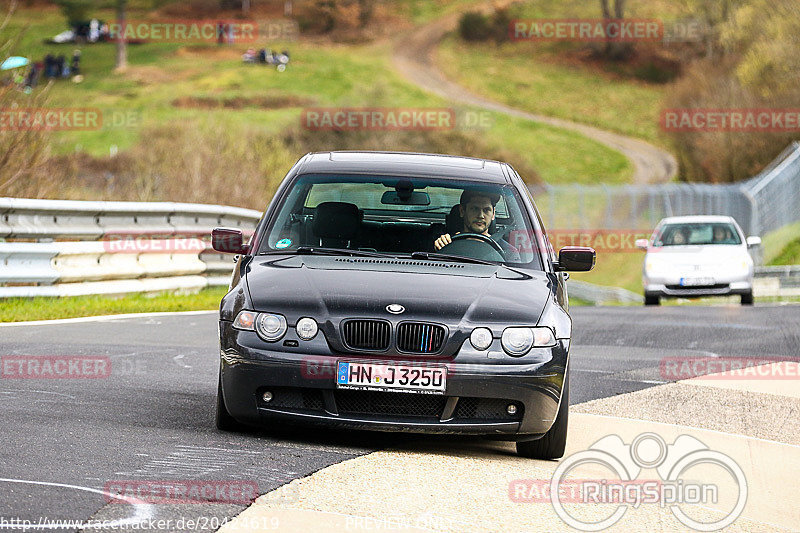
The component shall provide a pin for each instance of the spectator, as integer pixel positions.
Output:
(75, 65)
(94, 31)
(61, 63)
(49, 66)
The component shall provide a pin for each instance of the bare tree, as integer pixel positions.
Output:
(614, 49)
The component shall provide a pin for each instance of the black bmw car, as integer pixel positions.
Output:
(399, 292)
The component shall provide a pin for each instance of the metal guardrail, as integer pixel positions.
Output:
(599, 294)
(761, 204)
(114, 247)
(777, 281)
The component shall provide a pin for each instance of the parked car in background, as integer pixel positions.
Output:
(693, 256)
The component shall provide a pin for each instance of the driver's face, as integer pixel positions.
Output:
(477, 215)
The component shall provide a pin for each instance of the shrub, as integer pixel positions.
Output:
(474, 26)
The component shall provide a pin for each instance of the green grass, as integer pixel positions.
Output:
(782, 246)
(319, 74)
(24, 309)
(537, 78)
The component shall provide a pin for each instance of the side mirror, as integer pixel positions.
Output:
(642, 244)
(753, 241)
(576, 259)
(229, 241)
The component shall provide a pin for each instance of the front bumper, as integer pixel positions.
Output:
(304, 391)
(723, 285)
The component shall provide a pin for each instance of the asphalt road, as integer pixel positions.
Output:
(152, 418)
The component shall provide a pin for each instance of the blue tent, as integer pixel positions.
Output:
(14, 62)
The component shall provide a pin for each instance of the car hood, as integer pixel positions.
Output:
(331, 288)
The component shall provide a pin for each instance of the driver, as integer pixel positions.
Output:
(477, 212)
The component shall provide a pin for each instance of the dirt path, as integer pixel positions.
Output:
(414, 57)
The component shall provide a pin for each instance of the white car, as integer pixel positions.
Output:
(693, 256)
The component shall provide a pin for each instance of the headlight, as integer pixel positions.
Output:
(245, 320)
(518, 341)
(306, 328)
(270, 327)
(481, 338)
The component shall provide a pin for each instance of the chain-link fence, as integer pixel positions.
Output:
(764, 203)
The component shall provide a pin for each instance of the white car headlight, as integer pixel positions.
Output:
(306, 328)
(245, 320)
(270, 327)
(519, 341)
(481, 338)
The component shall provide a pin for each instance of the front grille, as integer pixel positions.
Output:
(371, 335)
(293, 398)
(389, 403)
(414, 337)
(486, 409)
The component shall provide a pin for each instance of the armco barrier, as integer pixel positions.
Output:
(95, 259)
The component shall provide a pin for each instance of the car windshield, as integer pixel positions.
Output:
(697, 233)
(399, 216)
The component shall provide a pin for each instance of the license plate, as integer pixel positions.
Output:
(398, 378)
(688, 282)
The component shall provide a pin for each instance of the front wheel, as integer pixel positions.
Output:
(651, 299)
(747, 298)
(554, 442)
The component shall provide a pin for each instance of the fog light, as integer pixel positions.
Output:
(267, 397)
(511, 409)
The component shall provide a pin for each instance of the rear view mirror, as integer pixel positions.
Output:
(406, 198)
(576, 259)
(642, 244)
(228, 240)
(753, 241)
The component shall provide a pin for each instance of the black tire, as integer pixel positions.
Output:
(747, 298)
(651, 299)
(223, 419)
(554, 442)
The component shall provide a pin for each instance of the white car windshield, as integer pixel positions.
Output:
(697, 234)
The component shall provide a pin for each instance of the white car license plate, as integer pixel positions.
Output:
(398, 378)
(689, 282)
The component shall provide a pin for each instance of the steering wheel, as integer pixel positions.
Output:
(480, 237)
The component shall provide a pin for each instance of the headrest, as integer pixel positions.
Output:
(336, 220)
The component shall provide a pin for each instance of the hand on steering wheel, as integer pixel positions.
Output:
(479, 237)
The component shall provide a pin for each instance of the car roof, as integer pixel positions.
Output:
(405, 164)
(696, 218)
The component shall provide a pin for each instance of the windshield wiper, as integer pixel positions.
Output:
(461, 259)
(448, 257)
(322, 250)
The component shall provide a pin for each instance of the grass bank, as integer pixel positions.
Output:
(25, 309)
